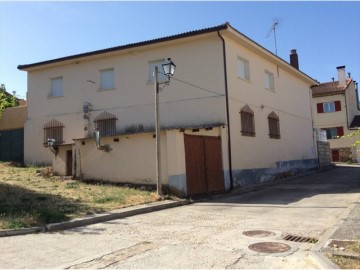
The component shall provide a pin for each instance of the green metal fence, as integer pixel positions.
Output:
(12, 145)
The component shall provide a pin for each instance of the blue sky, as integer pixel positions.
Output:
(325, 34)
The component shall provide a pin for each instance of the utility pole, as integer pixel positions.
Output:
(157, 131)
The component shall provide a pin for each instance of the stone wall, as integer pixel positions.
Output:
(324, 153)
(345, 154)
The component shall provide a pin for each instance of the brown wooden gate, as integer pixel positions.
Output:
(204, 172)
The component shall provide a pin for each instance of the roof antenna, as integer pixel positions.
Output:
(275, 24)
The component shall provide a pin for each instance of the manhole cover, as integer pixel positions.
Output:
(269, 247)
(259, 233)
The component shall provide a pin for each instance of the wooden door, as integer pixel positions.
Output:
(214, 169)
(69, 162)
(335, 155)
(204, 172)
(195, 165)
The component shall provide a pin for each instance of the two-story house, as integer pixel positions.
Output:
(234, 113)
(336, 111)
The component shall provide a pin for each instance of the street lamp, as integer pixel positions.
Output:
(169, 69)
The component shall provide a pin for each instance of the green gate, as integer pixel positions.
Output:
(12, 145)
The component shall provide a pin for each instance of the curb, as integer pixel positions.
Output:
(316, 253)
(88, 220)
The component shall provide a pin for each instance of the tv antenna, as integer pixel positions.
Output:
(275, 24)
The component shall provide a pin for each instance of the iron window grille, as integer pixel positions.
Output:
(106, 123)
(53, 130)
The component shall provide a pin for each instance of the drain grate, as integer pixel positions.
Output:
(269, 247)
(300, 239)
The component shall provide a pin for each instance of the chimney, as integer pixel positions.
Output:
(341, 76)
(294, 61)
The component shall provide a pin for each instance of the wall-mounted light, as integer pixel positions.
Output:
(52, 146)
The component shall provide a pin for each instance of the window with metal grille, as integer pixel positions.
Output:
(247, 122)
(274, 126)
(53, 130)
(106, 123)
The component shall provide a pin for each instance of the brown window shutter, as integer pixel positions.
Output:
(337, 106)
(320, 108)
(340, 131)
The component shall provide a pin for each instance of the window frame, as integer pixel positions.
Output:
(54, 130)
(334, 133)
(106, 123)
(274, 126)
(329, 107)
(247, 122)
(112, 87)
(246, 67)
(52, 87)
(269, 75)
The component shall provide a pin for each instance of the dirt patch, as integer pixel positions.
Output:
(31, 196)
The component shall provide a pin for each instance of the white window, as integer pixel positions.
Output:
(161, 76)
(57, 87)
(107, 79)
(243, 70)
(329, 106)
(269, 80)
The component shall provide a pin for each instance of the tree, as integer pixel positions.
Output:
(6, 100)
(355, 134)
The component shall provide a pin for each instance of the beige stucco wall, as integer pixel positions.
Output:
(290, 101)
(13, 118)
(352, 102)
(338, 119)
(132, 100)
(132, 159)
(60, 160)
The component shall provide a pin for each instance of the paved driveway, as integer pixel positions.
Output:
(202, 235)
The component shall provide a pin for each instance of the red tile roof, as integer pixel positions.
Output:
(329, 88)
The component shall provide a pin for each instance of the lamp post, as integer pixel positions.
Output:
(169, 69)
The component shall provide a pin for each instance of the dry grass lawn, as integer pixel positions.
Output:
(27, 199)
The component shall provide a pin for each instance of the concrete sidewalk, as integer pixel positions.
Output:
(346, 230)
(97, 218)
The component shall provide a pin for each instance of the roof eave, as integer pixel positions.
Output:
(273, 57)
(124, 47)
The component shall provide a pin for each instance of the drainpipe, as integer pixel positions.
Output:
(227, 112)
(315, 139)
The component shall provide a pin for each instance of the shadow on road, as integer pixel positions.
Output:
(340, 180)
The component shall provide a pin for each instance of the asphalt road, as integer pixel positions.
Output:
(201, 235)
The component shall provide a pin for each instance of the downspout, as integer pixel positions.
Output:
(347, 113)
(227, 112)
(315, 139)
(357, 95)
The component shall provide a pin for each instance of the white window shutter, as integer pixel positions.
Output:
(57, 87)
(107, 79)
